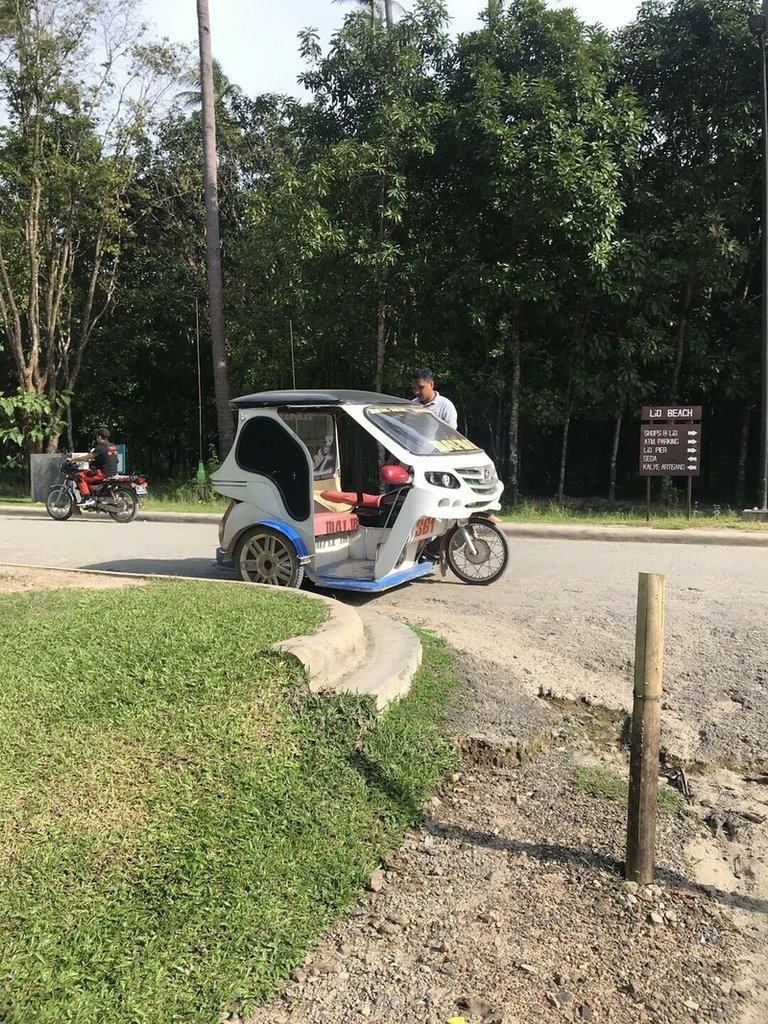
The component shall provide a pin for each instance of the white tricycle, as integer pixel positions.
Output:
(289, 516)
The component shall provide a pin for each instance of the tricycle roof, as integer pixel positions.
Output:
(268, 399)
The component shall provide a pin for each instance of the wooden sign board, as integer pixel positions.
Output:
(670, 449)
(671, 412)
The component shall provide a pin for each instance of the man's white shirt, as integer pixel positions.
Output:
(441, 407)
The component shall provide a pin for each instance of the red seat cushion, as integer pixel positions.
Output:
(328, 523)
(353, 498)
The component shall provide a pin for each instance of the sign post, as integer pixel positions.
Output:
(670, 445)
(646, 729)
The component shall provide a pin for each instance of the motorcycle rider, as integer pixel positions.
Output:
(103, 464)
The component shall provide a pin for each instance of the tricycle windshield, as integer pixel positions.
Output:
(417, 430)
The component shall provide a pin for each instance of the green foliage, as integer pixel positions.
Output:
(180, 817)
(66, 148)
(26, 420)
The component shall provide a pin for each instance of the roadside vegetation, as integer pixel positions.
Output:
(179, 816)
(597, 514)
(604, 784)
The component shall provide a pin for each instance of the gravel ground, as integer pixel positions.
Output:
(509, 905)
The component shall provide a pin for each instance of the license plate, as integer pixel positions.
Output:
(141, 489)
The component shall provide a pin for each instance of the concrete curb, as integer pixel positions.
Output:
(142, 516)
(393, 658)
(550, 531)
(328, 654)
(636, 534)
(380, 658)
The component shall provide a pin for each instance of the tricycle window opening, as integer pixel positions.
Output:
(266, 447)
(418, 431)
(317, 431)
(360, 458)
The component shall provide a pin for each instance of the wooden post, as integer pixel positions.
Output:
(646, 722)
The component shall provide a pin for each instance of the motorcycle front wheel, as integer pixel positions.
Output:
(482, 556)
(59, 504)
(123, 505)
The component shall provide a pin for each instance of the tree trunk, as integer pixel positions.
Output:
(513, 483)
(563, 459)
(381, 341)
(213, 245)
(614, 459)
(381, 300)
(741, 471)
(388, 14)
(682, 326)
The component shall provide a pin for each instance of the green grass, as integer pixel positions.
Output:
(602, 783)
(159, 502)
(179, 817)
(14, 499)
(630, 515)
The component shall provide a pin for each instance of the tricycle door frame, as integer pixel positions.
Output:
(260, 496)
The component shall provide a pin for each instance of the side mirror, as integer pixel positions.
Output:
(397, 475)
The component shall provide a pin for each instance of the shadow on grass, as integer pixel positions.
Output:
(375, 777)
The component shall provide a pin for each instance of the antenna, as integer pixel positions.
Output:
(293, 365)
(201, 474)
(199, 384)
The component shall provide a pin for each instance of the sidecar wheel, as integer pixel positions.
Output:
(263, 555)
(489, 559)
(127, 505)
(59, 504)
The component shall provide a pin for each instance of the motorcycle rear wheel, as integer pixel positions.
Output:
(59, 504)
(263, 555)
(489, 559)
(126, 502)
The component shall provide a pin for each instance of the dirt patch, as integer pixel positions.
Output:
(509, 904)
(14, 579)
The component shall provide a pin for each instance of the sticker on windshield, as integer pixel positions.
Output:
(455, 444)
(376, 410)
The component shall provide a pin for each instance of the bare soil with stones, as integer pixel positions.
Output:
(509, 905)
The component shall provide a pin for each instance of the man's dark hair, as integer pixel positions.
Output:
(103, 432)
(422, 373)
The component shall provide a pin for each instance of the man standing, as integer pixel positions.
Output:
(103, 461)
(423, 384)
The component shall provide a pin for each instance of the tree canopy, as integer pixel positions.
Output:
(563, 223)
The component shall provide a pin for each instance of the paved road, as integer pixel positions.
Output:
(85, 542)
(562, 618)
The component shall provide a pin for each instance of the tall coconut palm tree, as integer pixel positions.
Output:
(381, 10)
(223, 89)
(213, 243)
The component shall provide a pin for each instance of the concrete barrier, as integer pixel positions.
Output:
(45, 472)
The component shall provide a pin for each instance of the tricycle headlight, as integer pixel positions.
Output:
(441, 479)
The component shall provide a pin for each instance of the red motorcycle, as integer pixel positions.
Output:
(117, 496)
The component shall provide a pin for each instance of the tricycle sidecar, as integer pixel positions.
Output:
(289, 515)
